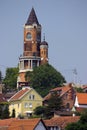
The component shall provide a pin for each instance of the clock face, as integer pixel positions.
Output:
(28, 36)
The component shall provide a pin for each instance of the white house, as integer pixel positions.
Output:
(81, 100)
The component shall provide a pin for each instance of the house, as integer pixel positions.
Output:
(67, 94)
(84, 87)
(24, 102)
(81, 101)
(24, 124)
(59, 123)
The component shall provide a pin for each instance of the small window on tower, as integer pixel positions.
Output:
(28, 36)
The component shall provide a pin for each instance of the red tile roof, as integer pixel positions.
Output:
(63, 90)
(20, 124)
(20, 94)
(82, 98)
(7, 122)
(31, 122)
(61, 121)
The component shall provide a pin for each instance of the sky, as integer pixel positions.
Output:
(64, 23)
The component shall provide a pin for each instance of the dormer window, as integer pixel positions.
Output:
(59, 92)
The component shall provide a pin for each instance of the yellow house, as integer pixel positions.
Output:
(24, 102)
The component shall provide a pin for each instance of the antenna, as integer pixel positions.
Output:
(44, 37)
(75, 75)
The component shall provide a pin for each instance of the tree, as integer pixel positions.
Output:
(39, 110)
(5, 112)
(43, 78)
(80, 125)
(13, 113)
(79, 90)
(54, 104)
(10, 79)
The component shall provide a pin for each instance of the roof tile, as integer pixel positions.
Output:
(19, 94)
(82, 98)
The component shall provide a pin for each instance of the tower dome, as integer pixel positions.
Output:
(44, 51)
(44, 43)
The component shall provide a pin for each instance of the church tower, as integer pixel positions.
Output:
(35, 52)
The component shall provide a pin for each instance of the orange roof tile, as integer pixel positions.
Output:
(82, 98)
(19, 94)
(7, 122)
(61, 121)
(20, 124)
(25, 122)
(63, 90)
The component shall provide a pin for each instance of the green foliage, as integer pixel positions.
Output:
(39, 110)
(10, 79)
(80, 90)
(80, 125)
(54, 104)
(13, 113)
(5, 112)
(83, 118)
(44, 78)
(71, 126)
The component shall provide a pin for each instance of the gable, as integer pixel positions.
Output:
(19, 94)
(25, 94)
(32, 95)
(40, 126)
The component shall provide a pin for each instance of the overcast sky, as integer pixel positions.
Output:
(64, 23)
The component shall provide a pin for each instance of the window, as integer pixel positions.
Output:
(67, 106)
(31, 97)
(26, 105)
(28, 36)
(30, 105)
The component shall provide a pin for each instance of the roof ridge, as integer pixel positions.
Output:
(19, 92)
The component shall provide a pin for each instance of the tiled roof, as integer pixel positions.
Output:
(63, 90)
(82, 98)
(7, 122)
(31, 122)
(61, 121)
(32, 18)
(20, 124)
(20, 94)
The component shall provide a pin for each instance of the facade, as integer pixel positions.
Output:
(67, 94)
(24, 102)
(81, 101)
(35, 52)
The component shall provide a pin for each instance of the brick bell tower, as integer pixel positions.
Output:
(35, 52)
